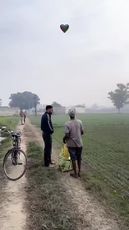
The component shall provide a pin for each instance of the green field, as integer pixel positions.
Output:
(106, 154)
(10, 123)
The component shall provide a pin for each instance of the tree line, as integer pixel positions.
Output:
(25, 100)
(28, 100)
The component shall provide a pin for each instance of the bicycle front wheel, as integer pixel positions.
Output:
(14, 164)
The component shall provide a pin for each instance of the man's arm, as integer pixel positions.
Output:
(50, 126)
(81, 128)
(42, 123)
(67, 134)
(65, 138)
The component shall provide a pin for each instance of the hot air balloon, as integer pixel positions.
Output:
(64, 27)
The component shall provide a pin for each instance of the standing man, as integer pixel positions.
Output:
(73, 138)
(21, 117)
(47, 131)
(25, 114)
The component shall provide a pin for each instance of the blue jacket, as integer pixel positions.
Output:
(46, 124)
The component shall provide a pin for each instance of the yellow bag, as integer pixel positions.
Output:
(64, 160)
(65, 152)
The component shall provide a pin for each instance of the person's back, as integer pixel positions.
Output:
(73, 139)
(75, 133)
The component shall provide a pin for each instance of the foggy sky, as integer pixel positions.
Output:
(81, 66)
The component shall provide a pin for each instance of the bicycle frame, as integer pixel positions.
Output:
(15, 157)
(16, 141)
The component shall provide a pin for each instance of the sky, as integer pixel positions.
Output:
(77, 67)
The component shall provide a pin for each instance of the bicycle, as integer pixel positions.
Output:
(15, 160)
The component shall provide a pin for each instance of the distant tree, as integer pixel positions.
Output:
(120, 96)
(25, 100)
(80, 105)
(36, 102)
(55, 104)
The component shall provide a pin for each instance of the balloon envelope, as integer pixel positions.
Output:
(64, 27)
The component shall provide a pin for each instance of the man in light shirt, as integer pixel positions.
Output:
(73, 138)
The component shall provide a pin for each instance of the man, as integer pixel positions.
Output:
(25, 114)
(73, 138)
(22, 117)
(47, 131)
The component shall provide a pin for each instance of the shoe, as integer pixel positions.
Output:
(74, 175)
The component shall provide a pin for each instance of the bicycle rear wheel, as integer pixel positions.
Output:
(14, 164)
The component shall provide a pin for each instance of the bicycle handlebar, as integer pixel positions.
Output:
(11, 132)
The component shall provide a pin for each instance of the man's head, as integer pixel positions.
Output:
(49, 109)
(72, 113)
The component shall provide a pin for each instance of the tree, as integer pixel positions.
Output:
(80, 105)
(36, 102)
(55, 104)
(120, 96)
(25, 100)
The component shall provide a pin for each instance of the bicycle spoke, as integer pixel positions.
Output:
(15, 164)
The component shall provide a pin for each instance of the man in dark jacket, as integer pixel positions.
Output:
(47, 131)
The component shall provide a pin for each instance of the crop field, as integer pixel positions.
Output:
(106, 153)
(10, 123)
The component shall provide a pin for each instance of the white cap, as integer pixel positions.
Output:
(72, 112)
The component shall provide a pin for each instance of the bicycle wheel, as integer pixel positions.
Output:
(14, 164)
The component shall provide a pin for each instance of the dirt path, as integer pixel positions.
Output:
(88, 209)
(12, 211)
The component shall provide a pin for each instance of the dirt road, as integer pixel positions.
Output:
(12, 211)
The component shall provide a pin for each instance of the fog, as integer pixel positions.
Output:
(80, 66)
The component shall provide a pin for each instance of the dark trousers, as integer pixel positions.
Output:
(47, 149)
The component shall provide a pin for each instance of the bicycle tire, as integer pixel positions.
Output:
(5, 159)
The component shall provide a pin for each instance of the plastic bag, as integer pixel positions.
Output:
(64, 160)
(65, 152)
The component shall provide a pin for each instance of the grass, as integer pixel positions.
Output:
(106, 156)
(47, 204)
(9, 122)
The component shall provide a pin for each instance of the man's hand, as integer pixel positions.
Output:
(66, 137)
(64, 140)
